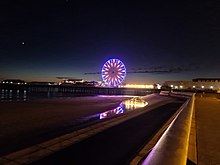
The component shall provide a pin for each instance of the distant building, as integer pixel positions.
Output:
(76, 82)
(195, 84)
(73, 81)
(42, 83)
(90, 83)
(206, 80)
(69, 80)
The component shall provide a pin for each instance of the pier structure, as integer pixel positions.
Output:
(90, 90)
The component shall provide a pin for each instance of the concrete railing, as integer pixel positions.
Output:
(181, 94)
(172, 148)
(176, 94)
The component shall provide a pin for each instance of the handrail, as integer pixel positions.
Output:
(172, 148)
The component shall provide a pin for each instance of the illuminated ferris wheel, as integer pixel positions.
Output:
(113, 72)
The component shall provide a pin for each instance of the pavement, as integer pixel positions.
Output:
(207, 111)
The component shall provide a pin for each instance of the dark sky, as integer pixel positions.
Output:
(157, 41)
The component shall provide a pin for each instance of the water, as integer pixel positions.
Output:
(10, 95)
(124, 106)
(25, 95)
(132, 103)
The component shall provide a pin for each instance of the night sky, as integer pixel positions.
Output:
(157, 41)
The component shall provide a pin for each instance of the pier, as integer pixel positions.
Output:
(86, 90)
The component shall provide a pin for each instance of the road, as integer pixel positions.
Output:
(117, 145)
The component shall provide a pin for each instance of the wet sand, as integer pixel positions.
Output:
(20, 122)
(23, 124)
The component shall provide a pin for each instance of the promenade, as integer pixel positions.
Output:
(207, 108)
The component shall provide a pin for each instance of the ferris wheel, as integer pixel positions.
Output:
(113, 72)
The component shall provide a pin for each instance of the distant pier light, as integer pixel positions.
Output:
(137, 86)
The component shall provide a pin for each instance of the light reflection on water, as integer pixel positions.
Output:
(11, 95)
(134, 103)
(118, 110)
(25, 95)
(124, 106)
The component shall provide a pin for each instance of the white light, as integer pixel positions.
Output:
(211, 87)
(202, 86)
(171, 86)
(176, 87)
(194, 86)
(181, 86)
(159, 86)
